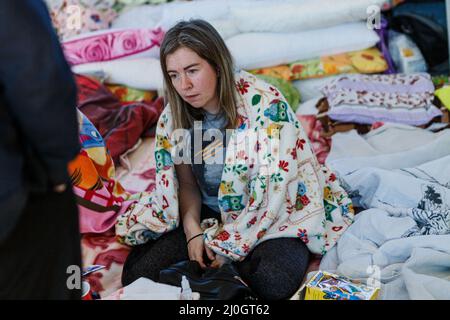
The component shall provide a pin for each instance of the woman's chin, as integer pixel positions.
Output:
(196, 105)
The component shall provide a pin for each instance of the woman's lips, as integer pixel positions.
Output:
(191, 97)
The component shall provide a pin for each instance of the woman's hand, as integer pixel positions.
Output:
(195, 249)
(220, 261)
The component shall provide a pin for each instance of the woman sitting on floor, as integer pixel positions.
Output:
(246, 184)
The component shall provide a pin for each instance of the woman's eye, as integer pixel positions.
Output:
(173, 76)
(192, 71)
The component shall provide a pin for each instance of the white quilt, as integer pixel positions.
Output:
(402, 240)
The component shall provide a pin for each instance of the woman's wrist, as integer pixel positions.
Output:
(198, 235)
(191, 228)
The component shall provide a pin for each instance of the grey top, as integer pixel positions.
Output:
(208, 169)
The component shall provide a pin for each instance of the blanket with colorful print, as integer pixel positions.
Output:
(100, 196)
(272, 184)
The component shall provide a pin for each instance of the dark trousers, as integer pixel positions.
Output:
(44, 243)
(274, 269)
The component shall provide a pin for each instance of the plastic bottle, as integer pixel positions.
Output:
(405, 53)
(186, 291)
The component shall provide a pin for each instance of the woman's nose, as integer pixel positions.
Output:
(185, 82)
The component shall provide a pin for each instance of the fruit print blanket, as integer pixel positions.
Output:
(272, 184)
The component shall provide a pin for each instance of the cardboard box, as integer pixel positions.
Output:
(328, 286)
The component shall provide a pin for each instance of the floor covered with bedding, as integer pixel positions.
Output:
(380, 124)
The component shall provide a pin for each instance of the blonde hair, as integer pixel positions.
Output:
(201, 37)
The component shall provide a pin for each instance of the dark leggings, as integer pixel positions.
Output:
(274, 269)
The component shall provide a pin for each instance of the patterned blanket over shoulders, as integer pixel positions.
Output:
(272, 184)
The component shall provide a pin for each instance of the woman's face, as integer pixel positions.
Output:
(194, 79)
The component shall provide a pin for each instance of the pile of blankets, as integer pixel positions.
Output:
(400, 177)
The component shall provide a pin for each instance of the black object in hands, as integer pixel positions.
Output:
(222, 283)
